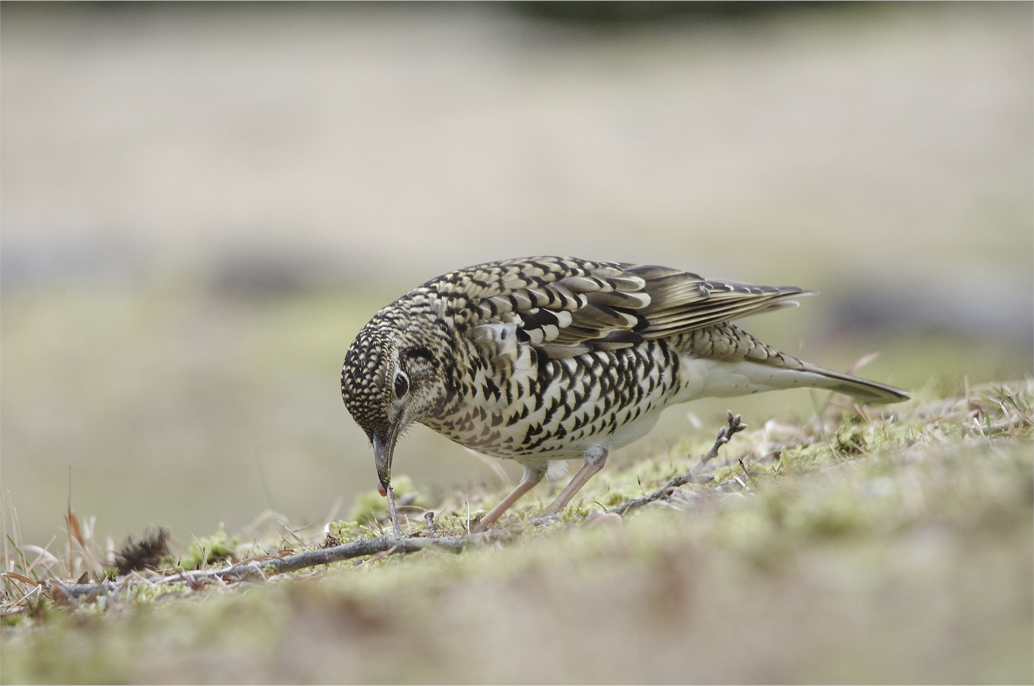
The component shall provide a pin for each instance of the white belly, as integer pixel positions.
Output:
(703, 378)
(625, 434)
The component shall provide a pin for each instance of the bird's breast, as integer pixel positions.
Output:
(558, 408)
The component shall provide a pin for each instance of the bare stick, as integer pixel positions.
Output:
(695, 475)
(260, 569)
(393, 512)
(429, 516)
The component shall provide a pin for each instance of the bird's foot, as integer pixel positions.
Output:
(595, 458)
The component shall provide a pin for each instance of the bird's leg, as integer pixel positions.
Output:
(595, 458)
(532, 475)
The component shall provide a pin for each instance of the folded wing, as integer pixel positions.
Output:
(565, 307)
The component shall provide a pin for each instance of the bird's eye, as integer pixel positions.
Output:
(401, 385)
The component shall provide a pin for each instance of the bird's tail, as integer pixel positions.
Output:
(863, 390)
(723, 361)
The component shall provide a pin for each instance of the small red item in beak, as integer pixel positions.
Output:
(380, 489)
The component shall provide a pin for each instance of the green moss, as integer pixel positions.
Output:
(214, 549)
(850, 441)
(371, 507)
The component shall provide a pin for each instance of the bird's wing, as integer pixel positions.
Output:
(565, 307)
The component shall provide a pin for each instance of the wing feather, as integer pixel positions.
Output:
(566, 307)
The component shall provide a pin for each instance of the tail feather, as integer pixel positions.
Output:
(711, 378)
(863, 390)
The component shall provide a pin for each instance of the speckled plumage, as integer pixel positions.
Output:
(548, 358)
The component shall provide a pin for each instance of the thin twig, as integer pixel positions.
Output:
(695, 475)
(746, 473)
(393, 511)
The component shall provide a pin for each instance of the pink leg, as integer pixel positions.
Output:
(595, 458)
(531, 477)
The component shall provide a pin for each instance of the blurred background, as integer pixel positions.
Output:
(203, 203)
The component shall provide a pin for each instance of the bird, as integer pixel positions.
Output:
(545, 359)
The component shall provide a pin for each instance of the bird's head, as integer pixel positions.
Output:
(391, 378)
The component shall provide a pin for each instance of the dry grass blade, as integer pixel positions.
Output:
(294, 535)
(42, 555)
(72, 519)
(17, 571)
(17, 577)
(81, 556)
(863, 361)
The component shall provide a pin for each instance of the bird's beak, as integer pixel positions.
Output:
(383, 449)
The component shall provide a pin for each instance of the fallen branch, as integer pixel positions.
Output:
(261, 569)
(695, 475)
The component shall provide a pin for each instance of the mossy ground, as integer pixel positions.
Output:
(857, 545)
